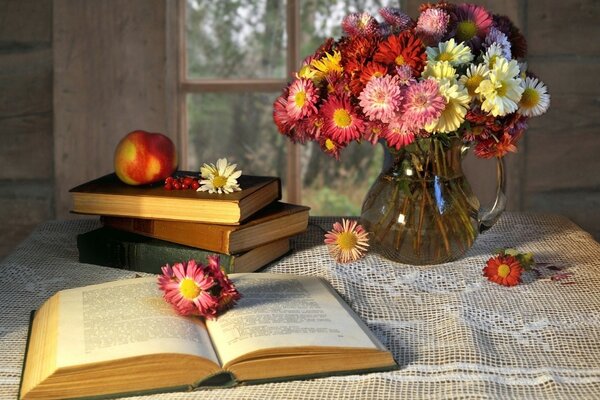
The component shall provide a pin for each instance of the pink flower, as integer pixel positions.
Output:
(473, 24)
(347, 241)
(381, 98)
(187, 288)
(432, 26)
(301, 99)
(280, 115)
(359, 24)
(398, 134)
(423, 104)
(396, 18)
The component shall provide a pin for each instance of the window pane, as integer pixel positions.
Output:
(238, 126)
(236, 39)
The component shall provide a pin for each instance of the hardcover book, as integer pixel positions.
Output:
(121, 338)
(118, 249)
(277, 220)
(109, 196)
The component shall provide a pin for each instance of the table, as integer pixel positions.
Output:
(454, 334)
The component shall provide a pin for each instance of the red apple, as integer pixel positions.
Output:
(142, 157)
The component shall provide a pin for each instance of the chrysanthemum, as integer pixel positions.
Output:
(301, 99)
(330, 146)
(347, 241)
(228, 294)
(423, 103)
(496, 36)
(329, 63)
(187, 287)
(359, 24)
(404, 74)
(442, 71)
(401, 49)
(381, 98)
(474, 75)
(374, 130)
(492, 53)
(365, 74)
(473, 24)
(280, 115)
(502, 89)
(398, 134)
(535, 99)
(504, 270)
(219, 178)
(398, 20)
(311, 128)
(457, 104)
(455, 54)
(432, 25)
(340, 120)
(493, 147)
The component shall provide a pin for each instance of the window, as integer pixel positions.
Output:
(235, 58)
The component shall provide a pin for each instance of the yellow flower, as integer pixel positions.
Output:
(502, 89)
(474, 75)
(327, 64)
(457, 104)
(455, 54)
(442, 71)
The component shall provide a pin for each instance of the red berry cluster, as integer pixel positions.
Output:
(181, 183)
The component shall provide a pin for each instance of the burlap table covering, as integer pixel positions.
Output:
(454, 334)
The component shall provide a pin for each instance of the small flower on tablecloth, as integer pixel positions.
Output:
(507, 266)
(196, 289)
(219, 178)
(347, 241)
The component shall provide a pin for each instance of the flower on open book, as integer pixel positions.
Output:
(506, 267)
(219, 178)
(347, 241)
(197, 289)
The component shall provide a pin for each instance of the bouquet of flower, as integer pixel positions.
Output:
(455, 71)
(424, 88)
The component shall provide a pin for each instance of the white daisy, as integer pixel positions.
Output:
(474, 75)
(442, 71)
(492, 54)
(219, 178)
(455, 54)
(457, 104)
(502, 89)
(535, 99)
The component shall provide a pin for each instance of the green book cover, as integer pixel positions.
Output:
(118, 249)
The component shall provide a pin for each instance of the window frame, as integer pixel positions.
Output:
(177, 70)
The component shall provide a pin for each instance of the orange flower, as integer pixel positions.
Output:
(504, 270)
(402, 49)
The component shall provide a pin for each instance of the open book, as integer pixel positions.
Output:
(122, 338)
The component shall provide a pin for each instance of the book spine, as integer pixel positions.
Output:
(142, 256)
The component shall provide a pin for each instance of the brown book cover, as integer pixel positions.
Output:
(277, 220)
(109, 196)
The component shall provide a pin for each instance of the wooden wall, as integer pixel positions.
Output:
(26, 158)
(109, 79)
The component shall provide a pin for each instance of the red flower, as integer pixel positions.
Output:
(401, 49)
(503, 270)
(494, 147)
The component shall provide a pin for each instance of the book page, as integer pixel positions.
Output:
(278, 310)
(124, 319)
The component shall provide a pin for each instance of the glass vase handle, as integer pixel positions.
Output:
(487, 218)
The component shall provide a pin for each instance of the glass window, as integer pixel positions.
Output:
(257, 45)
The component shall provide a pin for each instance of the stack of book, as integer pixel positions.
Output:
(147, 227)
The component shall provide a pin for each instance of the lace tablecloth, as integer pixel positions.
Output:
(454, 334)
